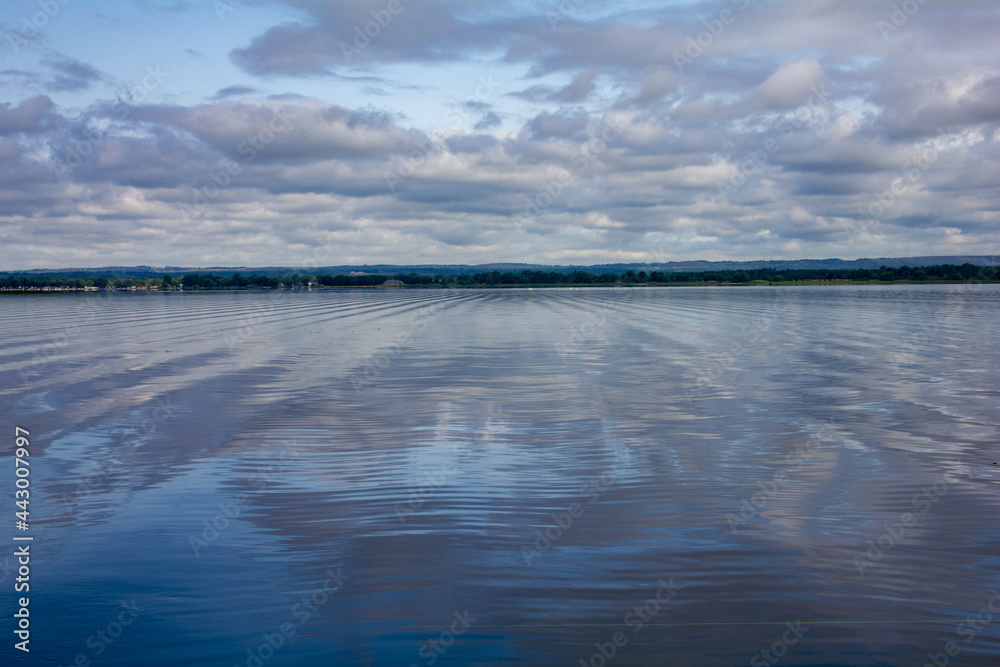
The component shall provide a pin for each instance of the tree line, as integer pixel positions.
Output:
(215, 281)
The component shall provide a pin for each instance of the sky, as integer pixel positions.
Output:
(297, 133)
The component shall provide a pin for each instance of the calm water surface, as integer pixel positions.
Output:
(496, 477)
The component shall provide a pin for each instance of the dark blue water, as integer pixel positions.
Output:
(645, 476)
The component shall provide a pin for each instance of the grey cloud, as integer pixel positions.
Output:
(234, 91)
(579, 88)
(302, 130)
(654, 83)
(287, 49)
(32, 115)
(489, 120)
(537, 93)
(563, 124)
(930, 106)
(476, 143)
(678, 137)
(791, 84)
(69, 74)
(335, 37)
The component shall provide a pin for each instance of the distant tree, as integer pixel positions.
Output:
(741, 277)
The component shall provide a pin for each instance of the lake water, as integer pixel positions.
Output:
(490, 477)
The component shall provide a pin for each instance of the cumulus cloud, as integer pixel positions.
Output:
(799, 130)
(564, 124)
(32, 115)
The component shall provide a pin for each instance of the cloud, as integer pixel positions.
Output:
(654, 83)
(69, 74)
(234, 91)
(489, 120)
(607, 148)
(343, 34)
(564, 123)
(294, 130)
(287, 49)
(32, 115)
(578, 89)
(791, 84)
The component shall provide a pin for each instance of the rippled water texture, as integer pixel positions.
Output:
(483, 477)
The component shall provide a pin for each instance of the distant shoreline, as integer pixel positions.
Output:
(340, 288)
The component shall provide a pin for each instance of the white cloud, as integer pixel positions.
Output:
(791, 84)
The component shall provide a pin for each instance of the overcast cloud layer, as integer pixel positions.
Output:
(297, 133)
